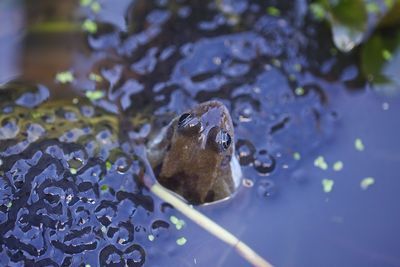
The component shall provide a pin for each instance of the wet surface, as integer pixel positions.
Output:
(68, 168)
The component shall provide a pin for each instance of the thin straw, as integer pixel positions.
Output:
(210, 226)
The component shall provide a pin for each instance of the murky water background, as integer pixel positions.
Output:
(68, 167)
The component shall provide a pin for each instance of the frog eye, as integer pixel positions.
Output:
(184, 119)
(219, 139)
(187, 123)
(224, 139)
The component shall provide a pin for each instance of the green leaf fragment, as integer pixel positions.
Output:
(96, 7)
(85, 2)
(104, 187)
(338, 166)
(108, 165)
(358, 144)
(297, 67)
(89, 26)
(9, 204)
(386, 55)
(73, 170)
(65, 77)
(173, 219)
(367, 182)
(380, 58)
(181, 241)
(87, 265)
(276, 62)
(296, 156)
(321, 163)
(151, 237)
(95, 77)
(273, 11)
(327, 185)
(36, 114)
(373, 8)
(94, 95)
(389, 3)
(299, 91)
(317, 11)
(178, 223)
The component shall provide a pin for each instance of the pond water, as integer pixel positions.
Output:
(319, 146)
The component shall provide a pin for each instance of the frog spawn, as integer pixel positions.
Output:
(69, 190)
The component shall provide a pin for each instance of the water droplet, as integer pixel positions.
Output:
(266, 188)
(248, 183)
(217, 60)
(385, 106)
(69, 198)
(244, 109)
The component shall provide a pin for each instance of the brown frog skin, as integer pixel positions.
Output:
(194, 155)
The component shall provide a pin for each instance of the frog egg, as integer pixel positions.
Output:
(8, 129)
(264, 163)
(159, 228)
(246, 152)
(135, 255)
(87, 111)
(48, 118)
(123, 164)
(70, 116)
(8, 109)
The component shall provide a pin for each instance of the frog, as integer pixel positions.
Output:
(194, 155)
